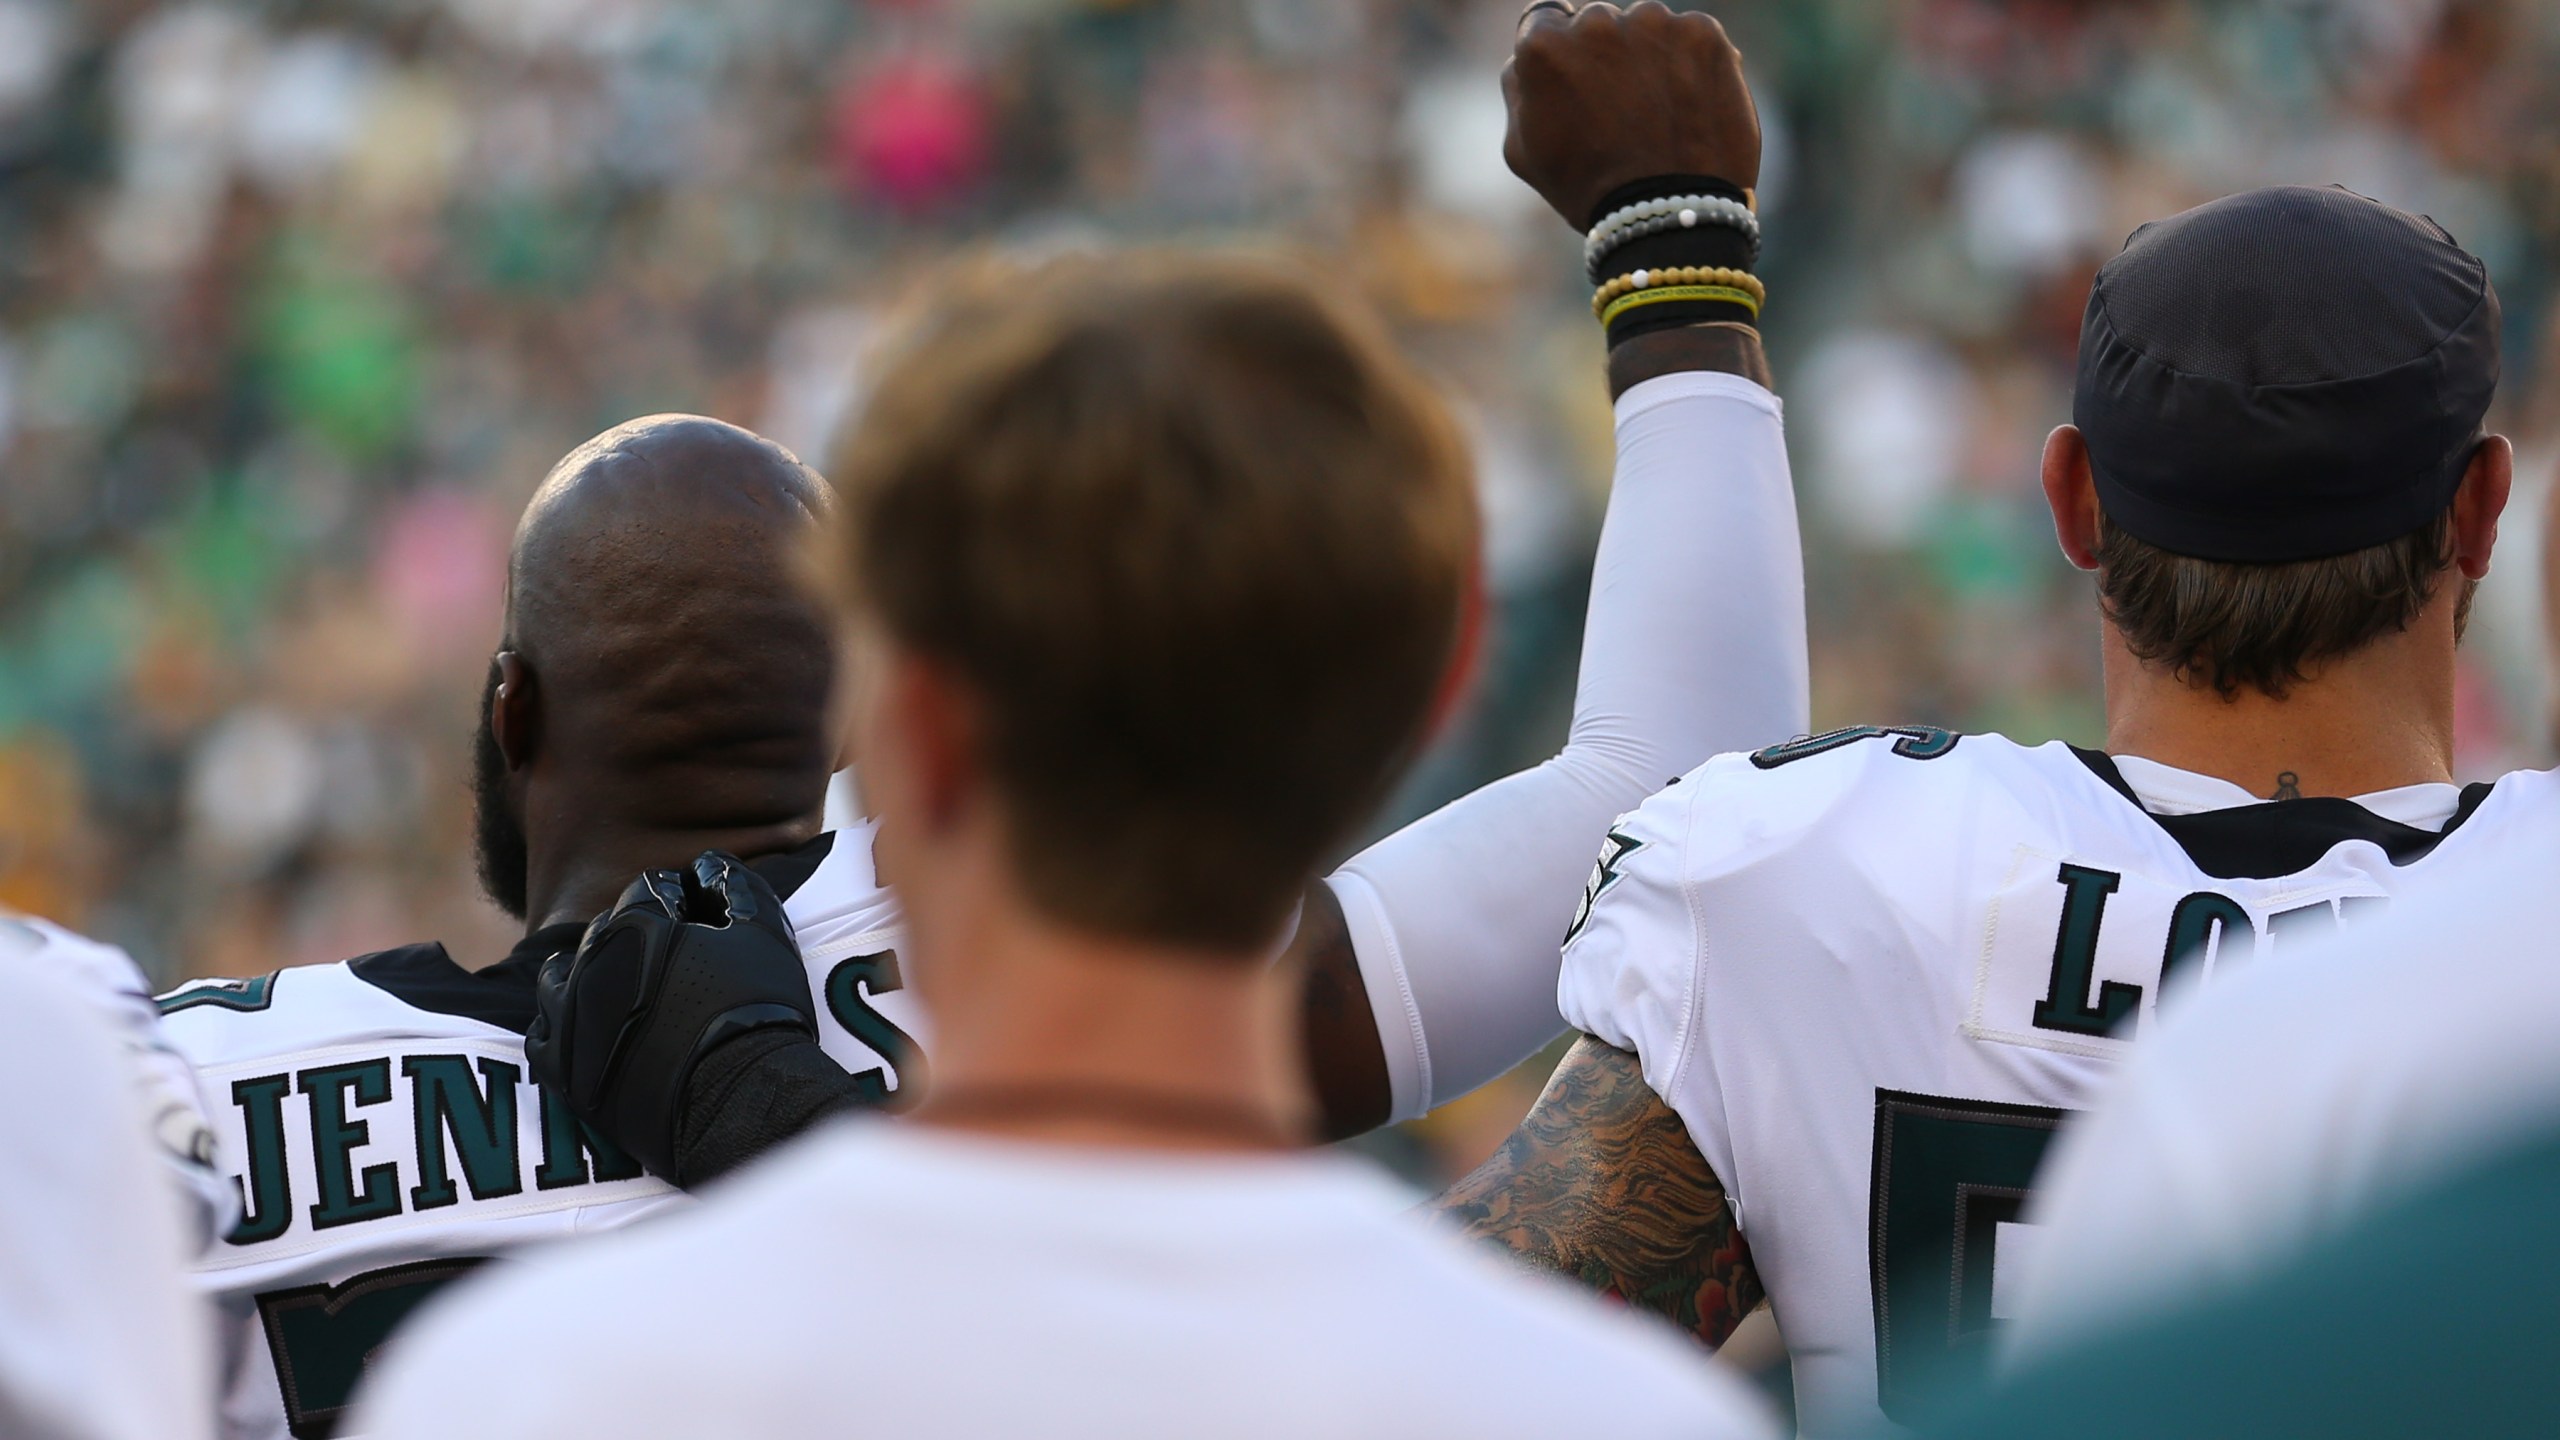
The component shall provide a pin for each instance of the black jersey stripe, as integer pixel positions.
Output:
(425, 976)
(2276, 838)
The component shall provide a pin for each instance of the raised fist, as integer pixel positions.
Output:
(1601, 96)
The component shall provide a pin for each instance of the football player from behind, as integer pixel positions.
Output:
(662, 689)
(1838, 993)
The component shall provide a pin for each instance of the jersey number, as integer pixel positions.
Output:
(1911, 742)
(323, 1336)
(1949, 1174)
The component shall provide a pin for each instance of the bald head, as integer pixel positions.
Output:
(656, 502)
(663, 669)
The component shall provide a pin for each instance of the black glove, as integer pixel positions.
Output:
(685, 962)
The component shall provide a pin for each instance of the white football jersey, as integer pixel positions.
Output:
(171, 1104)
(99, 1337)
(1873, 970)
(2288, 1104)
(387, 1136)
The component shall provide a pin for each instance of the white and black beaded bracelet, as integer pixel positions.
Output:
(1653, 217)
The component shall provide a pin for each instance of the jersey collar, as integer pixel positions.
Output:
(425, 976)
(2275, 838)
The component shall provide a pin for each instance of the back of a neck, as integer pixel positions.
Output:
(1045, 1034)
(581, 877)
(2373, 722)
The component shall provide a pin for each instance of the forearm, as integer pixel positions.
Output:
(1601, 1183)
(1721, 347)
(1694, 646)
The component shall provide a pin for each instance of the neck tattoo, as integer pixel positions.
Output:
(2288, 786)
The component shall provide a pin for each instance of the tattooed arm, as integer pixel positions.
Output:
(1601, 1183)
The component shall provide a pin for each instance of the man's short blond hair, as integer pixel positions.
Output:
(1199, 541)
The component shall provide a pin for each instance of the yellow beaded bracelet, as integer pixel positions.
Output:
(1665, 294)
(1641, 280)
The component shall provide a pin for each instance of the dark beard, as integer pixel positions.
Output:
(497, 834)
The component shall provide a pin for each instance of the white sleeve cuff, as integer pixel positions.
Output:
(1391, 1002)
(1663, 390)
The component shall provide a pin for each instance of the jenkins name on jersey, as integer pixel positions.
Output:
(386, 1135)
(1872, 971)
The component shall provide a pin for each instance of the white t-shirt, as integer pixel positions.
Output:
(1872, 971)
(99, 1337)
(891, 1280)
(2273, 1109)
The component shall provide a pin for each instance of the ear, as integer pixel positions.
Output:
(942, 723)
(2072, 496)
(2478, 504)
(515, 710)
(917, 726)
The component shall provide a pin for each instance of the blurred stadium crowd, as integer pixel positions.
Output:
(298, 300)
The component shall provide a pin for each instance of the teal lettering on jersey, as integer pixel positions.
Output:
(247, 996)
(2197, 922)
(323, 1337)
(573, 1153)
(483, 1127)
(2291, 929)
(1911, 742)
(848, 986)
(2075, 959)
(266, 1206)
(1946, 1175)
(334, 1135)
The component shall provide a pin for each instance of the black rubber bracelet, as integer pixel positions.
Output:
(1674, 314)
(1661, 187)
(1704, 247)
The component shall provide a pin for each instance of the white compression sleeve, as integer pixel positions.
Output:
(1694, 645)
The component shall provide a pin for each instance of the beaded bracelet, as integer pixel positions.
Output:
(1671, 294)
(1673, 204)
(1653, 217)
(1686, 275)
(1656, 187)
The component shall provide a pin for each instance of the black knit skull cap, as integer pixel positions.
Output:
(2284, 374)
